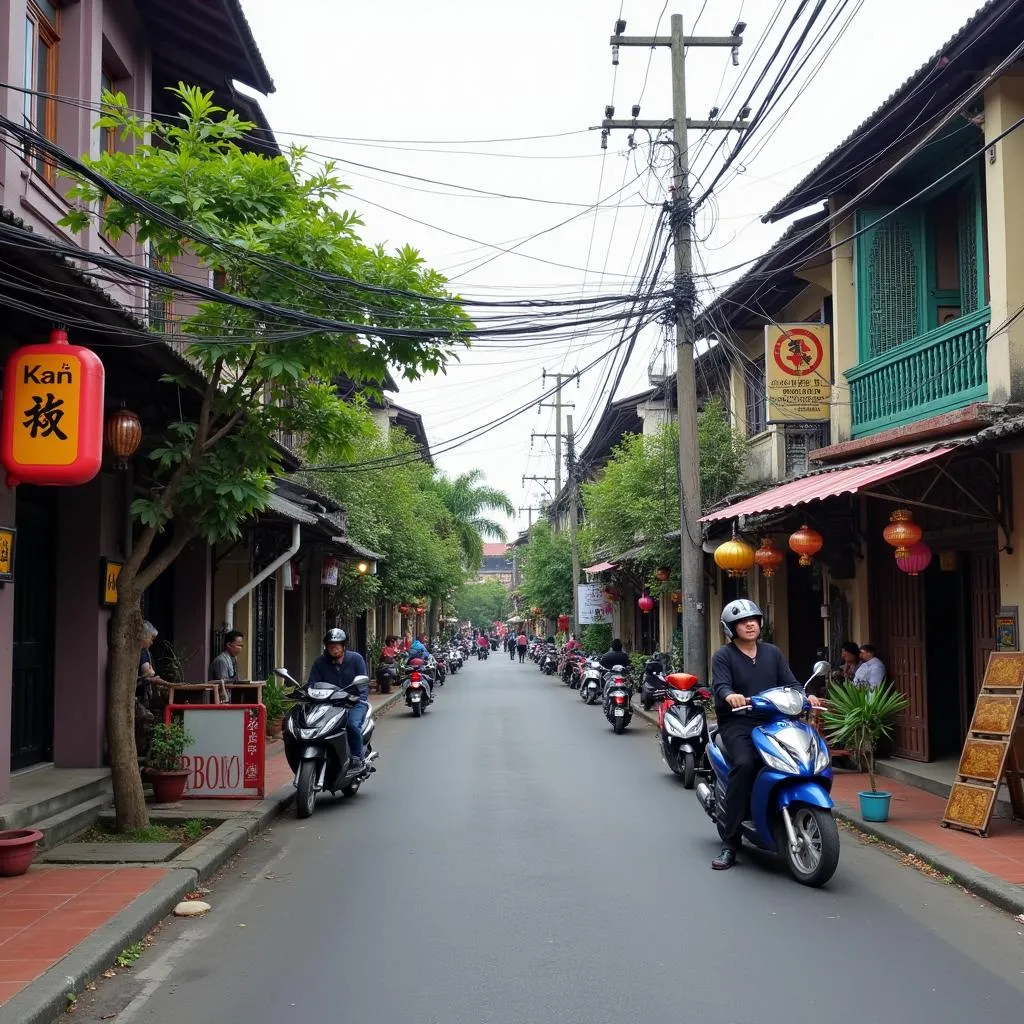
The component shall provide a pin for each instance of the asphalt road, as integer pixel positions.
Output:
(514, 862)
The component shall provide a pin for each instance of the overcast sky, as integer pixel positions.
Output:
(428, 81)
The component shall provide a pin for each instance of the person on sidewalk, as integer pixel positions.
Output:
(224, 668)
(339, 667)
(741, 668)
(871, 672)
(511, 646)
(849, 660)
(522, 643)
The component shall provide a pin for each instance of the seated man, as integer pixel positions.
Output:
(224, 668)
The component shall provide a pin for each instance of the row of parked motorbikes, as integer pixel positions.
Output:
(791, 810)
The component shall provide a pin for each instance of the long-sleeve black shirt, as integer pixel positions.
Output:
(733, 672)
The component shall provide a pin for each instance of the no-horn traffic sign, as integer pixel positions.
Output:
(798, 372)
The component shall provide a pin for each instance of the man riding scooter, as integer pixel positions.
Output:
(339, 667)
(741, 668)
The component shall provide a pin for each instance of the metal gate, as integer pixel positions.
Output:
(264, 627)
(34, 612)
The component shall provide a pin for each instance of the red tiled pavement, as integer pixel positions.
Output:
(47, 912)
(919, 813)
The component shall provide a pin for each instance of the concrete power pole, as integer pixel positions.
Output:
(557, 405)
(530, 509)
(570, 450)
(681, 217)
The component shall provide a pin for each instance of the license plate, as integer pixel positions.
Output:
(620, 712)
(415, 697)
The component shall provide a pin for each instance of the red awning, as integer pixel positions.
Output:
(600, 567)
(823, 485)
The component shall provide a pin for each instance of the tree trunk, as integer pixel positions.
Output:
(433, 615)
(125, 636)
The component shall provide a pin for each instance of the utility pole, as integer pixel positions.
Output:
(570, 450)
(540, 480)
(530, 509)
(557, 406)
(681, 219)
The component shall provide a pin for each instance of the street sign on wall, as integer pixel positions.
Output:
(594, 607)
(226, 755)
(798, 372)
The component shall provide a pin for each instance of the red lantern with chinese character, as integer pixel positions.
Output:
(902, 532)
(645, 602)
(806, 543)
(916, 560)
(52, 429)
(735, 557)
(563, 623)
(123, 434)
(662, 575)
(768, 557)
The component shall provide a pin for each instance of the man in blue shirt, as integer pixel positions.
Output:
(340, 667)
(417, 649)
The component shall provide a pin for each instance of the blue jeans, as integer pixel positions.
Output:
(354, 728)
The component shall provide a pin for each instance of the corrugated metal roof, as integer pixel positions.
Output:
(829, 484)
(809, 190)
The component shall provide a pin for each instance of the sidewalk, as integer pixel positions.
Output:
(62, 926)
(993, 868)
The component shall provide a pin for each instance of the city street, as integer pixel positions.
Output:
(513, 861)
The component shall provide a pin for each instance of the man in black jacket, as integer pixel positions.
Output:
(740, 669)
(615, 656)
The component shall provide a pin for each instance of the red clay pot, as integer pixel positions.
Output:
(17, 850)
(168, 786)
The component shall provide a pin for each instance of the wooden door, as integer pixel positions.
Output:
(984, 609)
(898, 619)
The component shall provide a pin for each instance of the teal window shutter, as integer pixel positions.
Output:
(889, 279)
(968, 232)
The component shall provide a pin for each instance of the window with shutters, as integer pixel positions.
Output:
(890, 278)
(757, 403)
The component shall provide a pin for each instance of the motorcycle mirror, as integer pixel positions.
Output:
(361, 681)
(821, 668)
(284, 674)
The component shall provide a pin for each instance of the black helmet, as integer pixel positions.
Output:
(736, 611)
(335, 636)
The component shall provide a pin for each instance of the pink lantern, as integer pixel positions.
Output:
(916, 560)
(645, 603)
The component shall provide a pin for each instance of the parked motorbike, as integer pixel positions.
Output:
(652, 683)
(683, 725)
(592, 681)
(316, 743)
(441, 667)
(549, 662)
(617, 693)
(791, 809)
(454, 660)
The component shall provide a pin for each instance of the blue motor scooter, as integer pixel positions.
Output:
(791, 810)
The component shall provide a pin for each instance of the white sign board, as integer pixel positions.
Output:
(594, 607)
(226, 755)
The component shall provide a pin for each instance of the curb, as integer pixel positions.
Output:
(1004, 895)
(43, 1000)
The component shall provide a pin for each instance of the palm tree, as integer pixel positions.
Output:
(466, 500)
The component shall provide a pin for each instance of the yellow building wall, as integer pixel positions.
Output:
(231, 573)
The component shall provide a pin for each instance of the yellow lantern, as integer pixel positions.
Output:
(902, 532)
(735, 557)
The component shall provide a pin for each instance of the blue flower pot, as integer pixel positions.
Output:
(874, 806)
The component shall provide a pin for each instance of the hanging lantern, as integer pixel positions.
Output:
(563, 623)
(420, 609)
(662, 575)
(806, 543)
(916, 560)
(645, 602)
(52, 431)
(902, 532)
(329, 572)
(676, 596)
(768, 557)
(735, 557)
(404, 609)
(537, 610)
(123, 433)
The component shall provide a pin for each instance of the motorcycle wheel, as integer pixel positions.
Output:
(689, 771)
(352, 788)
(818, 857)
(672, 762)
(592, 698)
(417, 710)
(306, 786)
(619, 725)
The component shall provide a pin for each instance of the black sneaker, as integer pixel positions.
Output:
(725, 860)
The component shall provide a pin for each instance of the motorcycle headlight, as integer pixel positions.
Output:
(682, 696)
(307, 734)
(319, 693)
(673, 725)
(779, 759)
(822, 759)
(693, 727)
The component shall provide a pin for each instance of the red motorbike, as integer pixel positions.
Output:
(683, 725)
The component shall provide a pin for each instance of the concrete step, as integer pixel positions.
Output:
(71, 821)
(47, 792)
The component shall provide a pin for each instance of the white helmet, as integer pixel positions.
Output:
(736, 611)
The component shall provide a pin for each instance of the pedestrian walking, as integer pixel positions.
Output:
(521, 643)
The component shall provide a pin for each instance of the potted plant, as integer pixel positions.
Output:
(276, 701)
(17, 849)
(164, 768)
(858, 717)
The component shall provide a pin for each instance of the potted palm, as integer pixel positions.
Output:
(164, 765)
(858, 717)
(276, 701)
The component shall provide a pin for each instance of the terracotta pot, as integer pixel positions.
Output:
(274, 729)
(17, 850)
(167, 786)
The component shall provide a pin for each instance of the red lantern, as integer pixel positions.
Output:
(404, 609)
(52, 429)
(902, 532)
(768, 557)
(420, 609)
(563, 623)
(916, 560)
(662, 575)
(645, 602)
(806, 543)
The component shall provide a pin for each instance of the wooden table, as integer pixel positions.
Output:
(191, 693)
(244, 693)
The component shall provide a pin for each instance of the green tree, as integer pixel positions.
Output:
(723, 454)
(272, 230)
(482, 603)
(547, 570)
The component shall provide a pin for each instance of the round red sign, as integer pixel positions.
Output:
(798, 352)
